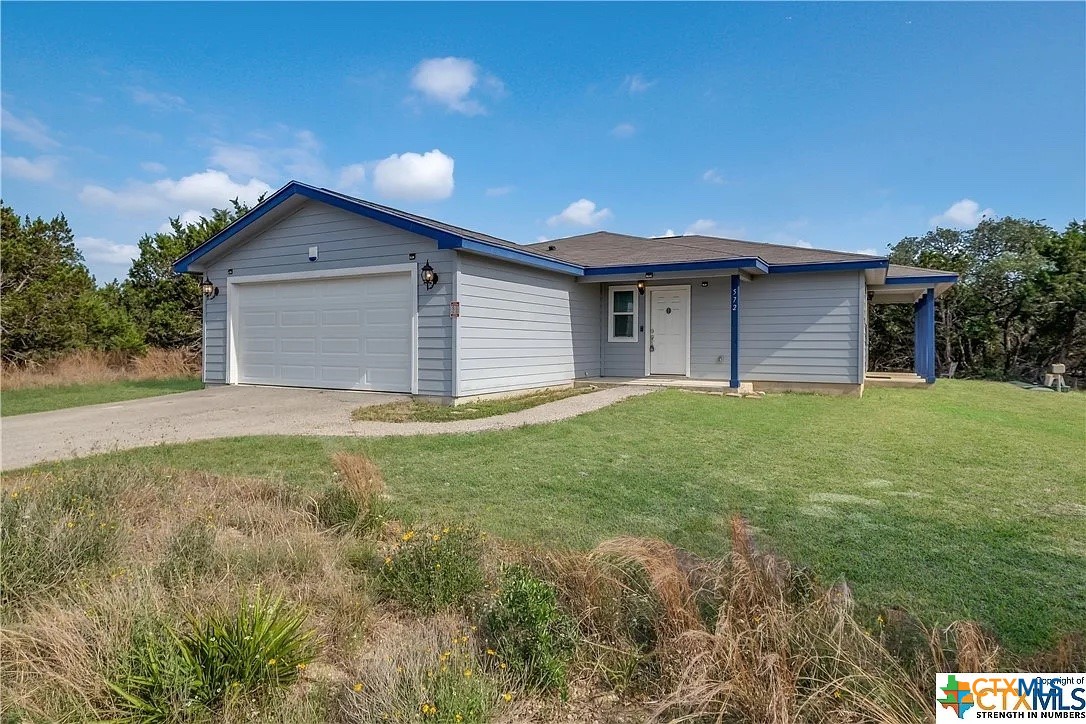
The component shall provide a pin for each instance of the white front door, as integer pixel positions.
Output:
(669, 329)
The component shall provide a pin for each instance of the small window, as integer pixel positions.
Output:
(623, 315)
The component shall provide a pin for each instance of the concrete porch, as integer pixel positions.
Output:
(681, 383)
(894, 379)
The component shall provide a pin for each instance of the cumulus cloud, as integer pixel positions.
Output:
(413, 176)
(186, 217)
(962, 214)
(710, 227)
(205, 190)
(96, 249)
(636, 83)
(157, 100)
(499, 190)
(41, 168)
(712, 176)
(667, 233)
(580, 213)
(624, 130)
(352, 176)
(28, 130)
(450, 82)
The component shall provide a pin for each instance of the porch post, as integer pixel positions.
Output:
(734, 366)
(929, 335)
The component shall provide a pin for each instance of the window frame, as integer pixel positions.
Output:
(611, 313)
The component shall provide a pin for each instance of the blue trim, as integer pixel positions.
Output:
(737, 263)
(734, 381)
(830, 266)
(504, 252)
(924, 336)
(932, 279)
(929, 325)
(445, 239)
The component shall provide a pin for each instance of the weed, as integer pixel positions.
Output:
(190, 553)
(432, 569)
(530, 631)
(355, 502)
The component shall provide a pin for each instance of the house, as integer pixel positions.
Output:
(313, 288)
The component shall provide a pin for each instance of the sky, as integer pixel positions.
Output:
(843, 126)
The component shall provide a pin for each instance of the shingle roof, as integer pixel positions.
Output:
(900, 270)
(603, 248)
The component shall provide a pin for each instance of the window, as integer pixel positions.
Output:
(623, 315)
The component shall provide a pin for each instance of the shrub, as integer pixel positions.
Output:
(50, 532)
(530, 631)
(190, 554)
(356, 502)
(170, 676)
(431, 570)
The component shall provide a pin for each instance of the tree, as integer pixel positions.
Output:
(43, 286)
(168, 306)
(1019, 305)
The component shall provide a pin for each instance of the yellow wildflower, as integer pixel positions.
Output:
(491, 652)
(436, 537)
(271, 662)
(507, 696)
(357, 686)
(459, 718)
(408, 536)
(301, 667)
(388, 561)
(467, 673)
(502, 665)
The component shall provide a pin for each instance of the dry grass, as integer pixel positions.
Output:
(93, 366)
(420, 411)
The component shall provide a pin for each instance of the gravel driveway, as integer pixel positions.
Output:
(238, 410)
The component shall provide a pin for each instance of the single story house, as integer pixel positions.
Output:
(314, 288)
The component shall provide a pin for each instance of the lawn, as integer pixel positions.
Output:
(41, 399)
(967, 500)
(420, 411)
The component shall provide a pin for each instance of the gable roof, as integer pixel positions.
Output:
(597, 253)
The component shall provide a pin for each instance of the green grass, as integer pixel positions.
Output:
(41, 399)
(967, 500)
(419, 411)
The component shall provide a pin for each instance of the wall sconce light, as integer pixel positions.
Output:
(705, 284)
(648, 275)
(429, 276)
(641, 287)
(209, 290)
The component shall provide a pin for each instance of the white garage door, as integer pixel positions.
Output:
(347, 333)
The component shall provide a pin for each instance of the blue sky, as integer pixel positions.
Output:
(843, 126)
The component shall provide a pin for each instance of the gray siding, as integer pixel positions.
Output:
(344, 240)
(521, 328)
(710, 332)
(801, 328)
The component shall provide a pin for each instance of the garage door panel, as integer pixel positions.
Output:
(344, 333)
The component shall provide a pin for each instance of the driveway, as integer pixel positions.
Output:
(182, 417)
(235, 411)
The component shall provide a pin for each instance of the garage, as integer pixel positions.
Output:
(346, 330)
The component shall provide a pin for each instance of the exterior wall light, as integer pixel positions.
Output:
(208, 289)
(429, 276)
(641, 287)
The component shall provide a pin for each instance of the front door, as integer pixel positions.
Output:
(669, 329)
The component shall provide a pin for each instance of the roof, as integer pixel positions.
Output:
(597, 253)
(898, 271)
(603, 249)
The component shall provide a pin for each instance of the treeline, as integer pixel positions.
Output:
(1019, 306)
(51, 305)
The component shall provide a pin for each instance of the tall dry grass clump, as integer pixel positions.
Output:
(90, 366)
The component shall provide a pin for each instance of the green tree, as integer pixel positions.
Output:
(43, 288)
(168, 306)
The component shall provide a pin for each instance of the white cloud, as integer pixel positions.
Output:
(205, 190)
(709, 227)
(239, 159)
(413, 176)
(96, 249)
(28, 130)
(500, 190)
(450, 81)
(581, 213)
(280, 153)
(41, 168)
(667, 233)
(624, 130)
(802, 244)
(869, 252)
(712, 176)
(636, 83)
(351, 177)
(964, 214)
(157, 100)
(187, 217)
(153, 167)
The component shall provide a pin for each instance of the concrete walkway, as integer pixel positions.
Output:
(236, 411)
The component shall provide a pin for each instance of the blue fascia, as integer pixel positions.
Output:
(746, 262)
(941, 279)
(504, 252)
(830, 266)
